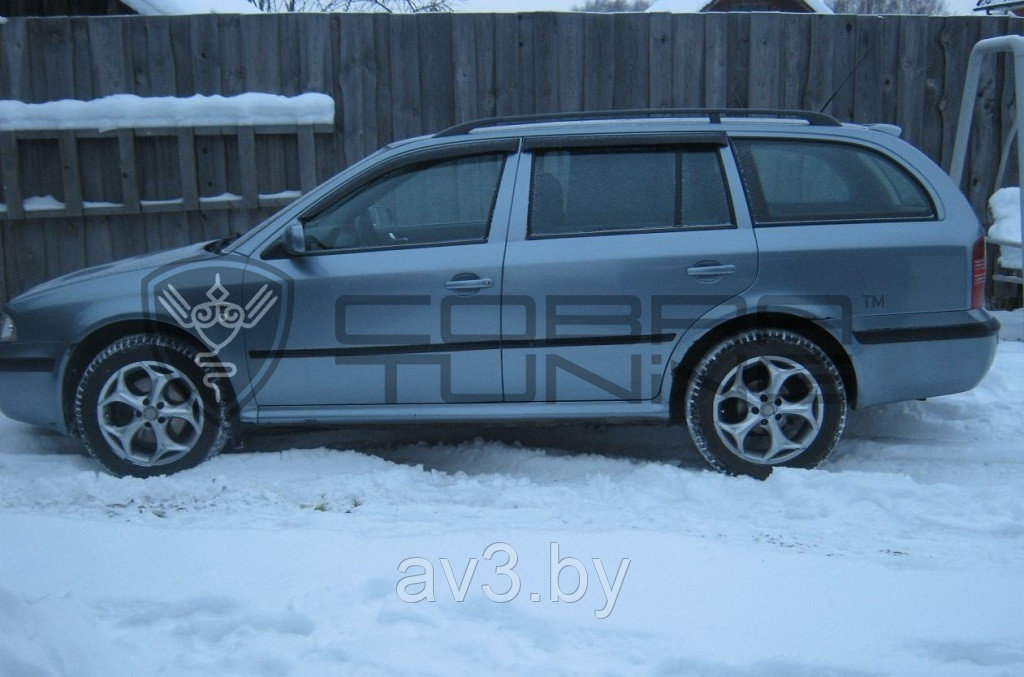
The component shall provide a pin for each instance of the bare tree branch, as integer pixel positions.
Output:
(612, 6)
(411, 6)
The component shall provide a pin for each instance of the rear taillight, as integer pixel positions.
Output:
(978, 274)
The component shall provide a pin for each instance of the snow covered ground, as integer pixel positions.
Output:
(903, 555)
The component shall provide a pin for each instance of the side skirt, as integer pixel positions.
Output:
(500, 411)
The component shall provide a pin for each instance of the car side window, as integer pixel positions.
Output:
(442, 202)
(623, 190)
(795, 181)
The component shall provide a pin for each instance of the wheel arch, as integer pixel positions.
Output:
(83, 352)
(804, 326)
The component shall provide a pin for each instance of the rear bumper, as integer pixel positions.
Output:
(30, 382)
(924, 358)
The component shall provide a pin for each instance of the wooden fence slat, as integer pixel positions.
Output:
(129, 170)
(307, 159)
(11, 174)
(187, 168)
(570, 58)
(69, 170)
(247, 167)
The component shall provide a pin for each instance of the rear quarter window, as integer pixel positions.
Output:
(796, 181)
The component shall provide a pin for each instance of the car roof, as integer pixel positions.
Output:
(788, 122)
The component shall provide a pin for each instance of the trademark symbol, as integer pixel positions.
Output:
(872, 301)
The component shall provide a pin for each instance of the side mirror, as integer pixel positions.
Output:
(294, 240)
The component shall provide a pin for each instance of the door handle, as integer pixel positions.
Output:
(459, 283)
(711, 270)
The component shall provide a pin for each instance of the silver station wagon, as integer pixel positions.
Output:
(750, 274)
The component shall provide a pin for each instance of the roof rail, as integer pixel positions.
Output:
(714, 114)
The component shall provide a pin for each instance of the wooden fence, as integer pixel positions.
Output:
(394, 76)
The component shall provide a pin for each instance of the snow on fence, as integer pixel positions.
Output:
(120, 121)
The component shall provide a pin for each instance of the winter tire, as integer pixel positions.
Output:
(765, 398)
(143, 409)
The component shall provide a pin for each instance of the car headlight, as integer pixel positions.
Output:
(7, 332)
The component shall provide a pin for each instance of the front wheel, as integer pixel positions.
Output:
(765, 398)
(143, 409)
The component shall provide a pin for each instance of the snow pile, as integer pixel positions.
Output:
(1006, 225)
(171, 7)
(129, 110)
(899, 556)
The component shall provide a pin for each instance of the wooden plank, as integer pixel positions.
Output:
(69, 170)
(526, 73)
(690, 80)
(765, 53)
(180, 30)
(29, 241)
(661, 57)
(599, 62)
(405, 79)
(11, 175)
(315, 64)
(110, 57)
(631, 75)
(81, 62)
(506, 49)
(716, 55)
(930, 140)
(14, 60)
(487, 87)
(796, 37)
(307, 159)
(99, 247)
(137, 45)
(129, 170)
(356, 90)
(464, 65)
(384, 89)
(545, 39)
(247, 166)
(737, 89)
(569, 62)
(187, 169)
(956, 34)
(206, 64)
(159, 57)
(910, 79)
(290, 46)
(229, 42)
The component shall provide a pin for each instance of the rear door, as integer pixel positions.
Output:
(616, 246)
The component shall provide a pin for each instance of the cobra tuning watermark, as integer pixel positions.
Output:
(217, 311)
(420, 582)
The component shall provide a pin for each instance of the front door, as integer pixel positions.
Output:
(397, 298)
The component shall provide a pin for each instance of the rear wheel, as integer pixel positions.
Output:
(765, 398)
(143, 408)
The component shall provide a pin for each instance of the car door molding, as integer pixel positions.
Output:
(539, 343)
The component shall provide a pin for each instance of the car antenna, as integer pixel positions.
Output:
(845, 80)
